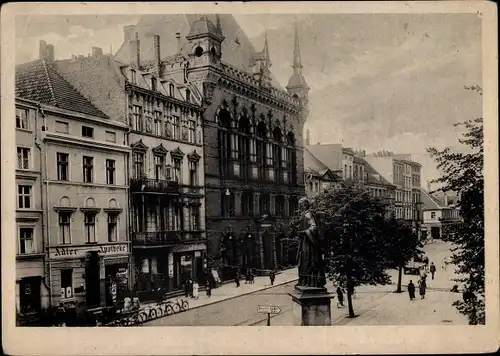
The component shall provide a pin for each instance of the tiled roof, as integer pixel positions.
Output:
(40, 81)
(329, 154)
(312, 162)
(429, 202)
(237, 50)
(371, 172)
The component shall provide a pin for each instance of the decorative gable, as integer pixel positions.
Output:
(177, 153)
(194, 156)
(160, 150)
(139, 146)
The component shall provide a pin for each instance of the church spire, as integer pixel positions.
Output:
(297, 65)
(217, 24)
(266, 51)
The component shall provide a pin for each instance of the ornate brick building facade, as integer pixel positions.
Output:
(252, 132)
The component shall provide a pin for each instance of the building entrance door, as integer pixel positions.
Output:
(92, 281)
(435, 232)
(29, 294)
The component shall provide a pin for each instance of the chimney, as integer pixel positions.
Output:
(157, 54)
(96, 51)
(308, 137)
(135, 51)
(127, 33)
(178, 36)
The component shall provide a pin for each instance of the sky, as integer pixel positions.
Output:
(377, 81)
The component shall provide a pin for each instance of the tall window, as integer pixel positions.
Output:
(22, 119)
(244, 146)
(195, 217)
(235, 154)
(26, 244)
(293, 206)
(23, 158)
(188, 95)
(280, 205)
(292, 163)
(138, 158)
(247, 204)
(176, 127)
(224, 142)
(64, 228)
(261, 149)
(171, 89)
(227, 204)
(137, 118)
(112, 227)
(110, 171)
(88, 167)
(66, 283)
(24, 196)
(133, 75)
(62, 166)
(159, 167)
(265, 204)
(153, 84)
(158, 123)
(191, 131)
(89, 222)
(177, 170)
(193, 173)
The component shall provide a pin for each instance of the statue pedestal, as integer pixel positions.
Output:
(311, 306)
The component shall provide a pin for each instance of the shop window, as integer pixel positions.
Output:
(26, 244)
(112, 227)
(66, 283)
(23, 158)
(110, 171)
(88, 167)
(64, 228)
(62, 166)
(22, 119)
(89, 222)
(24, 194)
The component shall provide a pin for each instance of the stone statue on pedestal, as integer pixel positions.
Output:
(310, 252)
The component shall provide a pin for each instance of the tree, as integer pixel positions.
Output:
(355, 245)
(404, 245)
(463, 173)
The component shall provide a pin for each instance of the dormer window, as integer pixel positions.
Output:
(153, 84)
(133, 77)
(188, 95)
(171, 89)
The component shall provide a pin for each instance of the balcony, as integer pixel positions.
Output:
(166, 238)
(146, 185)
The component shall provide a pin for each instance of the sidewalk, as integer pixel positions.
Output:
(229, 290)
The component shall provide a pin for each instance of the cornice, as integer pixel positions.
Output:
(96, 145)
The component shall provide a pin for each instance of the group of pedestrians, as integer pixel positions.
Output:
(191, 289)
(422, 282)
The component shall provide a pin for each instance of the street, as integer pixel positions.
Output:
(374, 305)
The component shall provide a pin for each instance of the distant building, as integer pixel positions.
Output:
(317, 176)
(435, 215)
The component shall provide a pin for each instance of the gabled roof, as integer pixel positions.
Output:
(40, 81)
(429, 202)
(312, 162)
(374, 177)
(237, 50)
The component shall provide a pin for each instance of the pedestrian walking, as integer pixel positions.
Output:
(340, 296)
(186, 288)
(421, 287)
(247, 276)
(411, 290)
(272, 276)
(196, 287)
(252, 276)
(61, 315)
(432, 269)
(237, 279)
(208, 289)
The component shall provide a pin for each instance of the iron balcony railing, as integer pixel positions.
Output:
(163, 238)
(153, 185)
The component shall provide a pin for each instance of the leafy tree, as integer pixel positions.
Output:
(463, 173)
(356, 246)
(404, 245)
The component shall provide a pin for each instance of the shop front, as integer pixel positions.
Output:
(188, 263)
(87, 275)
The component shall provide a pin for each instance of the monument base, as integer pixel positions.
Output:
(311, 306)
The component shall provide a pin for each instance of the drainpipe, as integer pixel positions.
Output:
(44, 184)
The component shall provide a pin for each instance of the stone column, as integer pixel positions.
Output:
(311, 306)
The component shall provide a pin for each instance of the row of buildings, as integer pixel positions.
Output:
(395, 177)
(174, 158)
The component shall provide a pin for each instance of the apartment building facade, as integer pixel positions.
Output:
(83, 192)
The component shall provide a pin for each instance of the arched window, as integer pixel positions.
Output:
(244, 145)
(292, 157)
(278, 153)
(261, 148)
(224, 142)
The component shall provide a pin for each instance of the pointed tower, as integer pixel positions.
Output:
(297, 85)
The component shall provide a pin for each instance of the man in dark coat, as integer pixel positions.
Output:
(272, 276)
(432, 269)
(411, 290)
